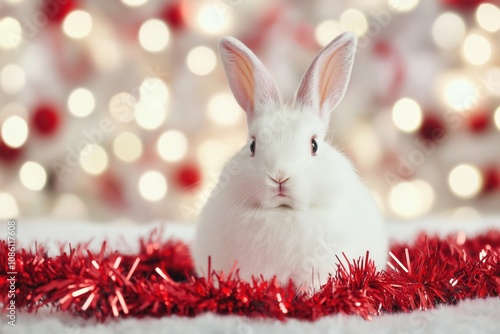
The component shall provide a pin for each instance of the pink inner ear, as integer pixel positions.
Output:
(327, 80)
(243, 74)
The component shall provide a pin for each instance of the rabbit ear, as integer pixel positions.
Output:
(250, 82)
(325, 81)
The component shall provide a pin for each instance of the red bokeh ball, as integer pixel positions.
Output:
(56, 10)
(479, 121)
(8, 154)
(464, 4)
(491, 179)
(45, 119)
(111, 189)
(188, 176)
(174, 15)
(432, 128)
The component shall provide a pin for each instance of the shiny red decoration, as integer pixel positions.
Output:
(491, 180)
(432, 128)
(8, 154)
(56, 10)
(479, 121)
(160, 281)
(188, 176)
(45, 119)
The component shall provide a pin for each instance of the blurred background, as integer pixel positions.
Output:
(120, 109)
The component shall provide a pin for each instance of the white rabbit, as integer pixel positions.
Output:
(288, 202)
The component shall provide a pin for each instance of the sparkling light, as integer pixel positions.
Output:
(407, 115)
(154, 35)
(134, 3)
(488, 17)
(411, 199)
(465, 181)
(8, 206)
(153, 186)
(77, 24)
(127, 147)
(224, 110)
(497, 118)
(326, 31)
(403, 5)
(354, 20)
(94, 159)
(150, 114)
(154, 88)
(212, 18)
(448, 30)
(11, 33)
(12, 78)
(14, 131)
(201, 60)
(122, 106)
(81, 102)
(69, 206)
(33, 175)
(172, 145)
(477, 49)
(459, 93)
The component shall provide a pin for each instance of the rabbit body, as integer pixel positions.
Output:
(288, 204)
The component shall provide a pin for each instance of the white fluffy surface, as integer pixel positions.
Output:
(472, 316)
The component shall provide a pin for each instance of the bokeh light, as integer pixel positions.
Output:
(172, 145)
(326, 31)
(354, 20)
(496, 118)
(134, 3)
(488, 17)
(212, 18)
(14, 131)
(465, 181)
(154, 88)
(154, 35)
(127, 147)
(223, 109)
(476, 49)
(11, 33)
(150, 114)
(8, 206)
(81, 102)
(459, 93)
(201, 60)
(448, 31)
(411, 199)
(12, 78)
(94, 159)
(407, 115)
(69, 206)
(403, 5)
(153, 186)
(122, 107)
(33, 176)
(77, 24)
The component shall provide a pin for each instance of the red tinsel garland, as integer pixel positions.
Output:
(160, 281)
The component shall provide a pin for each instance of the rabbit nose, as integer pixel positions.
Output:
(279, 180)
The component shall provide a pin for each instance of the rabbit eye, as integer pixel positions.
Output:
(314, 146)
(252, 147)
